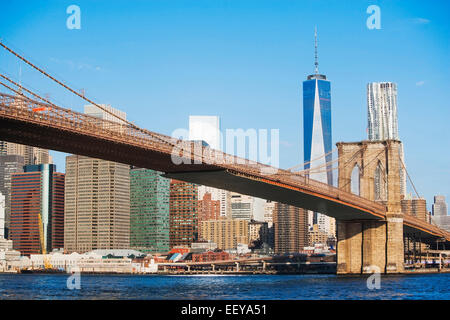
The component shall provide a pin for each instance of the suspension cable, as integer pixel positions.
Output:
(308, 162)
(409, 178)
(25, 89)
(82, 96)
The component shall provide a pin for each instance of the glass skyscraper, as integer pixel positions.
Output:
(382, 118)
(37, 209)
(149, 212)
(382, 111)
(317, 126)
(317, 139)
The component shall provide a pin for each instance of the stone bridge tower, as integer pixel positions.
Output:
(371, 169)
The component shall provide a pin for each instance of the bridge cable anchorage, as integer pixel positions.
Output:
(409, 178)
(154, 135)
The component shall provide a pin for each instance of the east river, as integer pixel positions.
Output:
(54, 286)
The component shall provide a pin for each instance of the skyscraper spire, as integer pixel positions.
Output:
(316, 61)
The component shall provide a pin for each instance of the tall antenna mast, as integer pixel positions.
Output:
(316, 61)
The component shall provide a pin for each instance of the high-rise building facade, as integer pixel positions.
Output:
(97, 197)
(382, 118)
(2, 216)
(97, 204)
(113, 114)
(258, 233)
(31, 155)
(269, 207)
(9, 164)
(291, 228)
(3, 148)
(317, 136)
(208, 209)
(149, 211)
(183, 213)
(241, 206)
(207, 129)
(416, 207)
(226, 233)
(440, 213)
(37, 209)
(382, 111)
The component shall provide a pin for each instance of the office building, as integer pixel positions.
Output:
(382, 118)
(3, 148)
(382, 111)
(37, 209)
(31, 155)
(416, 207)
(290, 228)
(317, 136)
(112, 114)
(2, 215)
(208, 209)
(317, 236)
(241, 206)
(149, 211)
(183, 213)
(269, 207)
(207, 129)
(97, 196)
(258, 233)
(9, 164)
(226, 233)
(440, 213)
(97, 204)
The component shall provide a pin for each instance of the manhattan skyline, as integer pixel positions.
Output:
(235, 60)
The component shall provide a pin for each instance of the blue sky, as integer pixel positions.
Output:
(161, 61)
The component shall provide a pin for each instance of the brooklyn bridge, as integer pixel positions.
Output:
(371, 230)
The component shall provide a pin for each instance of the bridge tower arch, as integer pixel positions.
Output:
(364, 244)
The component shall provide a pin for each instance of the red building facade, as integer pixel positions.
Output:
(183, 213)
(210, 256)
(37, 209)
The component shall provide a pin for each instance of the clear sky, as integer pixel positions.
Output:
(161, 61)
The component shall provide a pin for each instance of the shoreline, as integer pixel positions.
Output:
(230, 273)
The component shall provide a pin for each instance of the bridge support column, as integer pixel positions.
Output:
(394, 248)
(374, 246)
(370, 246)
(349, 247)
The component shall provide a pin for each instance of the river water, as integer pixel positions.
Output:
(54, 286)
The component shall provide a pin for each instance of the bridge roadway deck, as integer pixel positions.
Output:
(64, 130)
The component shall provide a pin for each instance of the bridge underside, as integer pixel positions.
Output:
(58, 139)
(55, 136)
(225, 179)
(424, 235)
